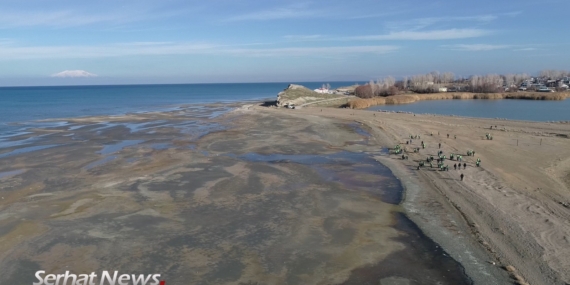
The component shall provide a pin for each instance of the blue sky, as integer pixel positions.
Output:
(175, 41)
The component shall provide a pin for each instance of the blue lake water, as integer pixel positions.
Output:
(24, 104)
(530, 110)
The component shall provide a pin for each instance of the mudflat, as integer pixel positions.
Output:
(253, 196)
(515, 206)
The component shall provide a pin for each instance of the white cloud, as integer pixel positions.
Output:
(60, 18)
(73, 74)
(314, 51)
(148, 49)
(278, 13)
(475, 47)
(421, 23)
(426, 35)
(417, 24)
(448, 34)
(52, 18)
(303, 37)
(526, 49)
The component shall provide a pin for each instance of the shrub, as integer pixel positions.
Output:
(364, 91)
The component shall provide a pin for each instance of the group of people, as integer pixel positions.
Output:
(456, 165)
(440, 156)
(456, 157)
(398, 149)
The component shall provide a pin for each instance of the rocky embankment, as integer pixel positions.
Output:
(298, 95)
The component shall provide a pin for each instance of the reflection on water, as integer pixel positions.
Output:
(135, 127)
(11, 173)
(420, 262)
(100, 162)
(161, 146)
(118, 146)
(27, 149)
(345, 167)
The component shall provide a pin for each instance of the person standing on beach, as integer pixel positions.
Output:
(464, 165)
(461, 176)
(439, 145)
(455, 166)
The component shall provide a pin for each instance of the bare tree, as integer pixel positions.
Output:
(520, 78)
(424, 83)
(489, 83)
(553, 74)
(382, 86)
(446, 77)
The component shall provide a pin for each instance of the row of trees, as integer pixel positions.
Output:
(428, 83)
(433, 81)
(423, 83)
(554, 74)
(515, 79)
(489, 83)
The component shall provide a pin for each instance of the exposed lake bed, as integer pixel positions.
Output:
(205, 198)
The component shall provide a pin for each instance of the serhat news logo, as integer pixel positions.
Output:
(105, 278)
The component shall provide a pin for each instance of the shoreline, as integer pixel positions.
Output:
(479, 226)
(465, 253)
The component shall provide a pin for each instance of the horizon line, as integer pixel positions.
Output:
(162, 84)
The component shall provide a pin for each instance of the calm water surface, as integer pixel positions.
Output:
(24, 104)
(531, 110)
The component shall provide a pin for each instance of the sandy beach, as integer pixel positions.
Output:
(516, 206)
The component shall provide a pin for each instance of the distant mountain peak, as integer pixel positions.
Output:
(73, 74)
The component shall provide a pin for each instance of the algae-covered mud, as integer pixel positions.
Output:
(203, 197)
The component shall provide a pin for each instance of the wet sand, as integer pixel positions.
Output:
(249, 197)
(512, 212)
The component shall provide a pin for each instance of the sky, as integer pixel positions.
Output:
(61, 42)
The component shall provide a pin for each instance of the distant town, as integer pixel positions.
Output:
(435, 82)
